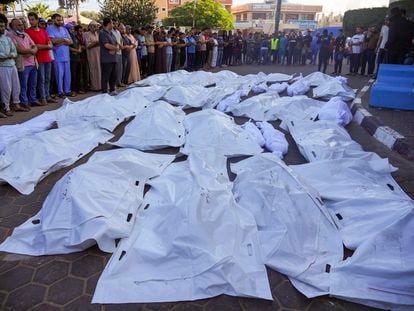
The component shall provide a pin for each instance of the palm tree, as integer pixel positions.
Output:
(39, 8)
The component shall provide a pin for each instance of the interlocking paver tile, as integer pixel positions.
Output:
(91, 284)
(275, 278)
(15, 278)
(259, 304)
(26, 297)
(186, 307)
(36, 261)
(51, 272)
(13, 221)
(46, 307)
(83, 303)
(87, 266)
(65, 290)
(223, 302)
(291, 298)
(7, 265)
(125, 307)
(323, 304)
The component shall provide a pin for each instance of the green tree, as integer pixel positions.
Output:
(130, 12)
(41, 9)
(202, 13)
(92, 15)
(363, 18)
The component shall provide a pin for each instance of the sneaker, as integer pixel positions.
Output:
(8, 113)
(38, 104)
(2, 115)
(114, 93)
(71, 94)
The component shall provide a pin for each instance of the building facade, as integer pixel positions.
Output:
(165, 6)
(260, 16)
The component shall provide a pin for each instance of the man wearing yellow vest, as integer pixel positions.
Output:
(274, 48)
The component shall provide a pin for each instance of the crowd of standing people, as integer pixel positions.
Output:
(50, 58)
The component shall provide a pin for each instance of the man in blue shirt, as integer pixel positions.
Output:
(191, 50)
(61, 40)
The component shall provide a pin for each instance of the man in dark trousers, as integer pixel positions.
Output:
(400, 36)
(109, 47)
(324, 42)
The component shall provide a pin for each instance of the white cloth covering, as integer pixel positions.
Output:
(293, 108)
(323, 140)
(336, 110)
(277, 87)
(299, 87)
(158, 126)
(229, 101)
(275, 141)
(380, 272)
(253, 129)
(40, 123)
(213, 131)
(151, 93)
(49, 151)
(93, 203)
(188, 96)
(297, 236)
(254, 107)
(278, 77)
(344, 179)
(334, 88)
(317, 78)
(360, 219)
(260, 88)
(103, 110)
(177, 250)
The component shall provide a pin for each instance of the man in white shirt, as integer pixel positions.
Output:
(356, 42)
(119, 40)
(381, 52)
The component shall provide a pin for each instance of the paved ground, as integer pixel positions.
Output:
(68, 281)
(400, 120)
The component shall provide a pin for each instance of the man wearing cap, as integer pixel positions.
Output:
(44, 46)
(25, 63)
(61, 40)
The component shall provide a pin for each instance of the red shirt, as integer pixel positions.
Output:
(40, 36)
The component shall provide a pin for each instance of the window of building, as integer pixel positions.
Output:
(245, 17)
(164, 9)
(259, 16)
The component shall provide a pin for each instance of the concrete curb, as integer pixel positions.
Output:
(384, 134)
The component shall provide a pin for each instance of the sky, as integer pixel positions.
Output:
(328, 5)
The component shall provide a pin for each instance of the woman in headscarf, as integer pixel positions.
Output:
(91, 40)
(134, 74)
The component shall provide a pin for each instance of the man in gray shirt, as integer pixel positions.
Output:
(108, 50)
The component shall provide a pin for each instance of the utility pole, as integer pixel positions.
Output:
(277, 15)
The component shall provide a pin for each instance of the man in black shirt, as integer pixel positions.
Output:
(399, 38)
(324, 42)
